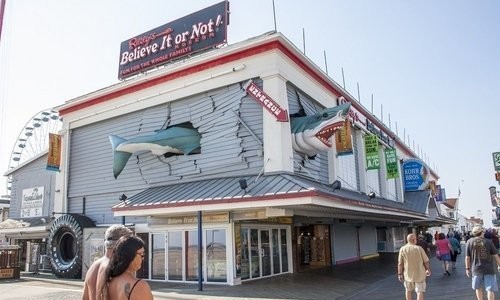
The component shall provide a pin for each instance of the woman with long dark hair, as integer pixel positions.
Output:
(127, 258)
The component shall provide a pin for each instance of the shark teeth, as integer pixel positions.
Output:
(327, 132)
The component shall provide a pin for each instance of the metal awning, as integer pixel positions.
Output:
(37, 227)
(283, 191)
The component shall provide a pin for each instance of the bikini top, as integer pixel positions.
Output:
(133, 288)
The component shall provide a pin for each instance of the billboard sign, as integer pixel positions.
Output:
(32, 202)
(198, 31)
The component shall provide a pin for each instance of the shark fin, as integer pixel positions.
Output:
(120, 158)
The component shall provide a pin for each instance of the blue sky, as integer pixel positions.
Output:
(433, 66)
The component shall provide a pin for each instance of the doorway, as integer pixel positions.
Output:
(313, 246)
(264, 252)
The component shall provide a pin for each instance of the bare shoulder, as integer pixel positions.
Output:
(142, 291)
(91, 274)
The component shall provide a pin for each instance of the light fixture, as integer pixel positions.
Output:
(123, 198)
(243, 184)
(336, 185)
(371, 195)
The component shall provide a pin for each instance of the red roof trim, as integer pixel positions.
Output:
(178, 74)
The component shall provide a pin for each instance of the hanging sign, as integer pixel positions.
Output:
(343, 139)
(371, 152)
(439, 195)
(416, 175)
(391, 163)
(496, 161)
(265, 101)
(54, 156)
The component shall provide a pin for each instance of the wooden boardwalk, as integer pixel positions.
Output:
(373, 279)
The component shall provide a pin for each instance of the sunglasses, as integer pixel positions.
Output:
(141, 254)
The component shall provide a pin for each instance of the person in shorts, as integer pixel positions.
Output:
(481, 262)
(413, 267)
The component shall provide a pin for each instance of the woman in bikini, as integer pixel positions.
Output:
(127, 258)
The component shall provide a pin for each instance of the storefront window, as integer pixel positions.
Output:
(175, 255)
(216, 255)
(158, 256)
(192, 255)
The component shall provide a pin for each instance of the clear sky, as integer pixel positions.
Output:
(432, 66)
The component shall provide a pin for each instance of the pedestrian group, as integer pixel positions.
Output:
(482, 260)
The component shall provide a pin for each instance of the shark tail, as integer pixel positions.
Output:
(120, 158)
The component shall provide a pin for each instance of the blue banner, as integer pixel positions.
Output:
(416, 175)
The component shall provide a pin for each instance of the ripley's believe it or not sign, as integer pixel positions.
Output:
(201, 30)
(416, 175)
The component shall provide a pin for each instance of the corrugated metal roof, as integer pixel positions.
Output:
(265, 187)
(418, 200)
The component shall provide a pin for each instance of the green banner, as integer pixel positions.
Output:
(391, 163)
(371, 152)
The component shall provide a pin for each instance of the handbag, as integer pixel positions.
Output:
(438, 254)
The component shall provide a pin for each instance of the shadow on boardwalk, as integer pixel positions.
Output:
(373, 279)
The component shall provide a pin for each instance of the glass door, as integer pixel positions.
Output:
(245, 254)
(276, 251)
(284, 250)
(254, 253)
(265, 252)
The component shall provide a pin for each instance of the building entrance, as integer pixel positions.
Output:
(313, 246)
(264, 252)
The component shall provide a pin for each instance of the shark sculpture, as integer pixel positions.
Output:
(311, 134)
(175, 140)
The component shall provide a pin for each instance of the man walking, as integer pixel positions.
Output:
(480, 258)
(413, 267)
(96, 273)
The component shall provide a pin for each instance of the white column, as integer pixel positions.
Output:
(383, 173)
(361, 160)
(278, 151)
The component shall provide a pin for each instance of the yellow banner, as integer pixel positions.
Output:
(343, 139)
(54, 157)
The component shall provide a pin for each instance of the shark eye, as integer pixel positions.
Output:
(325, 115)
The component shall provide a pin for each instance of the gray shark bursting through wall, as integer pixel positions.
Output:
(175, 140)
(311, 133)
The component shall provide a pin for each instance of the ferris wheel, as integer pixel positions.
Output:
(33, 139)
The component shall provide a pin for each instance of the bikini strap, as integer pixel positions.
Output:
(133, 288)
